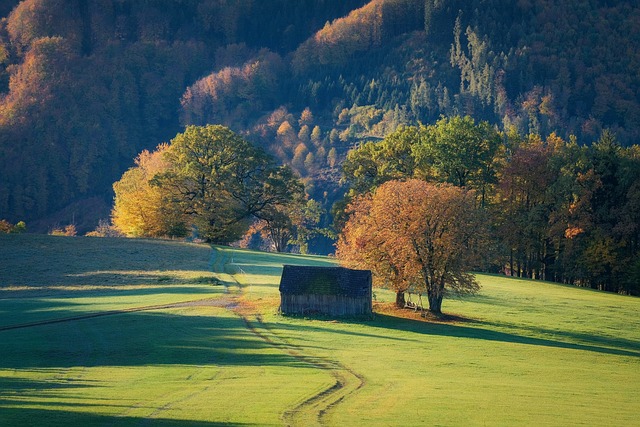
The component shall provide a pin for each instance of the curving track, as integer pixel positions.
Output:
(314, 410)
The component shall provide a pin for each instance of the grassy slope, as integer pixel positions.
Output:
(188, 364)
(530, 353)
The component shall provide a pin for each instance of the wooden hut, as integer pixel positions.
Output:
(333, 291)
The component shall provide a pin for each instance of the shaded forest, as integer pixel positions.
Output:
(85, 86)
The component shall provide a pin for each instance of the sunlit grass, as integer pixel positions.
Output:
(197, 364)
(520, 353)
(174, 366)
(46, 277)
(508, 365)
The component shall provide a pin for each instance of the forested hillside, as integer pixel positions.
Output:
(86, 85)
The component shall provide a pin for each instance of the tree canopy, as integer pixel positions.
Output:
(86, 86)
(456, 150)
(559, 211)
(417, 236)
(142, 209)
(211, 178)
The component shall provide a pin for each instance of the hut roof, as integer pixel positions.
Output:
(301, 280)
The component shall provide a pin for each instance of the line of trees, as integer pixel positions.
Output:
(558, 211)
(85, 86)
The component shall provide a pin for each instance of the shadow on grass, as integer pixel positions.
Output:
(245, 268)
(481, 330)
(624, 348)
(588, 339)
(249, 257)
(318, 329)
(239, 261)
(140, 339)
(30, 296)
(57, 260)
(106, 280)
(489, 300)
(41, 305)
(19, 385)
(59, 417)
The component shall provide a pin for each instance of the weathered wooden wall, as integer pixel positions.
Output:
(332, 305)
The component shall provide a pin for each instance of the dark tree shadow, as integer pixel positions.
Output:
(454, 326)
(58, 417)
(139, 339)
(591, 342)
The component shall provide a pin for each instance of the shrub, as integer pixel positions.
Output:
(7, 227)
(20, 227)
(105, 229)
(69, 230)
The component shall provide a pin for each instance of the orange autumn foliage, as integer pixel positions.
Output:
(416, 236)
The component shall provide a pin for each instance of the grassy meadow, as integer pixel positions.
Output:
(131, 332)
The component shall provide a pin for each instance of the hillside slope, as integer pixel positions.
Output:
(85, 88)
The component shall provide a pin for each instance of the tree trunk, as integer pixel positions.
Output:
(435, 301)
(511, 263)
(400, 302)
(435, 293)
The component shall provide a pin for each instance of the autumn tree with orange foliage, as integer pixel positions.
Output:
(417, 236)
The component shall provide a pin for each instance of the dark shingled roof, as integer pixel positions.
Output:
(307, 280)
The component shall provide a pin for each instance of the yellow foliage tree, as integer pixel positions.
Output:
(139, 207)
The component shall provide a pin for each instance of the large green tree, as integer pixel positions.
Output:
(220, 181)
(374, 163)
(459, 151)
(456, 150)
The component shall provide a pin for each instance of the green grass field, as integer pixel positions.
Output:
(130, 332)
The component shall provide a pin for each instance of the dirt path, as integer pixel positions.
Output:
(314, 410)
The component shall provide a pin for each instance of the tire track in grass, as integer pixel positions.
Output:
(215, 263)
(226, 301)
(315, 409)
(213, 302)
